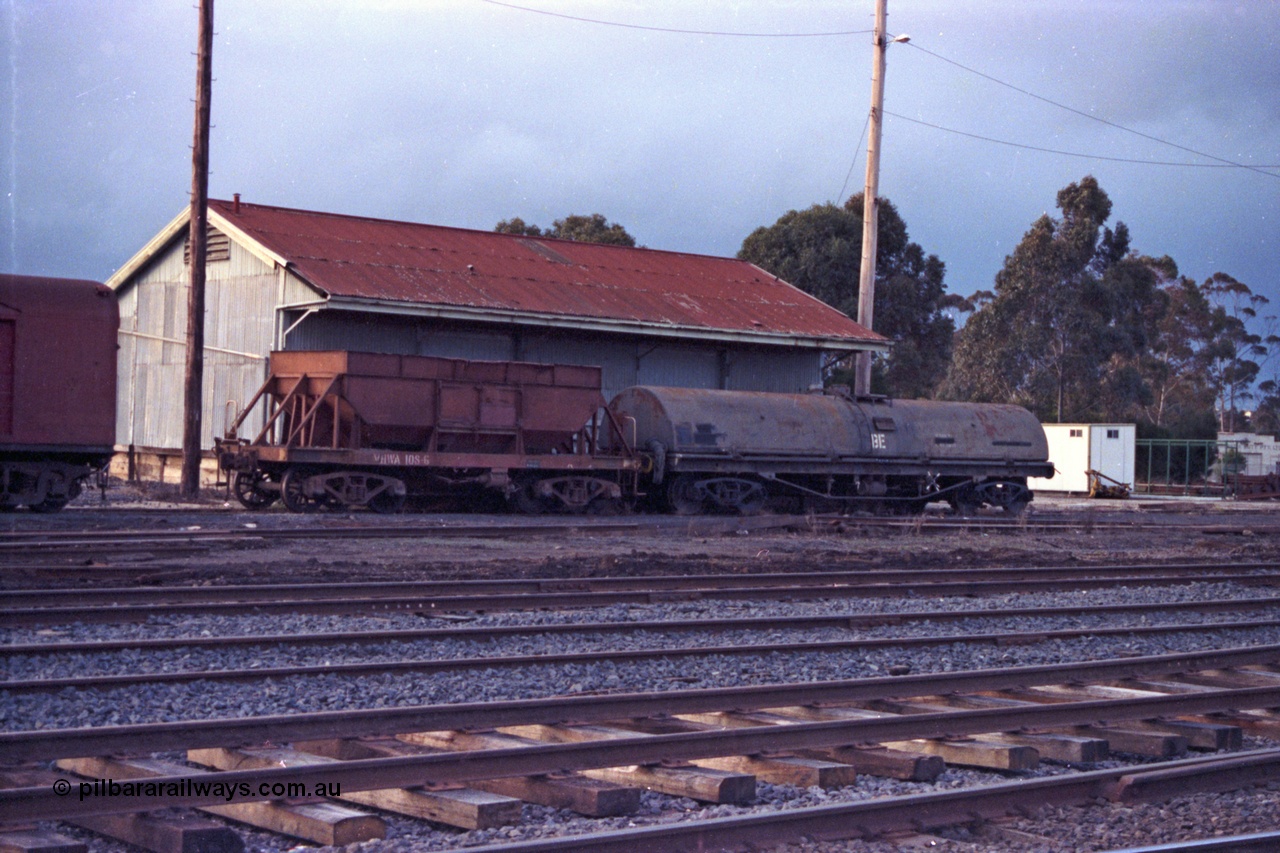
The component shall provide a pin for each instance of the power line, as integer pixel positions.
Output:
(1259, 169)
(673, 29)
(854, 164)
(1077, 154)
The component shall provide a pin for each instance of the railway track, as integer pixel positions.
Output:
(1261, 571)
(1004, 719)
(488, 633)
(123, 604)
(117, 679)
(209, 530)
(1174, 722)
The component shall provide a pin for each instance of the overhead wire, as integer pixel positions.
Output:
(1221, 161)
(854, 164)
(728, 33)
(1225, 162)
(1073, 153)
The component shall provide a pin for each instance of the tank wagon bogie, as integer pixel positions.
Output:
(736, 451)
(57, 388)
(368, 429)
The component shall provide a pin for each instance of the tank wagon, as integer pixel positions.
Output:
(366, 429)
(735, 450)
(57, 388)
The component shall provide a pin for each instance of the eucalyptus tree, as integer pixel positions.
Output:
(592, 228)
(1063, 317)
(819, 250)
(1236, 351)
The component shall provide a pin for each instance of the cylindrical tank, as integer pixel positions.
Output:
(705, 421)
(747, 425)
(959, 432)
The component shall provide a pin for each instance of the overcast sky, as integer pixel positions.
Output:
(466, 112)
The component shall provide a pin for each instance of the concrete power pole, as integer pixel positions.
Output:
(197, 240)
(870, 207)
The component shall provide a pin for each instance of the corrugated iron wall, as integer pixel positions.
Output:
(239, 326)
(782, 371)
(626, 361)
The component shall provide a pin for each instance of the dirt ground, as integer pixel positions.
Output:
(1137, 530)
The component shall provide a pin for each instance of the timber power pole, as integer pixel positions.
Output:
(197, 240)
(870, 205)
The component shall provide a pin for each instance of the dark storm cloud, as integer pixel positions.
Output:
(464, 113)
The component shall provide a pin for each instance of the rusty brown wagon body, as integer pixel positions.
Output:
(57, 387)
(353, 428)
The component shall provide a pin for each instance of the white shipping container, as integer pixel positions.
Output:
(1076, 449)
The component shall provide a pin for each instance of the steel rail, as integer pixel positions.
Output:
(838, 576)
(912, 812)
(355, 670)
(1259, 842)
(27, 540)
(480, 633)
(41, 803)
(12, 616)
(14, 541)
(44, 744)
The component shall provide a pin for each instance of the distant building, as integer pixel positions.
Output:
(1259, 453)
(292, 279)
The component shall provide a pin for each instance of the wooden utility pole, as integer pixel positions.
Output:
(870, 207)
(197, 240)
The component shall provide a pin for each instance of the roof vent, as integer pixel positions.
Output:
(217, 246)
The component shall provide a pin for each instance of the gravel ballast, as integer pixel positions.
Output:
(1092, 827)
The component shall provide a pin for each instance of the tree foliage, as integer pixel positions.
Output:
(819, 250)
(1078, 328)
(582, 229)
(1055, 335)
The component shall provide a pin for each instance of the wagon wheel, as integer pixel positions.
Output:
(752, 502)
(291, 491)
(1008, 496)
(1015, 507)
(966, 501)
(607, 506)
(387, 502)
(684, 496)
(50, 504)
(527, 502)
(251, 490)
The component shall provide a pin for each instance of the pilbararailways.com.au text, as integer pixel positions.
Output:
(229, 791)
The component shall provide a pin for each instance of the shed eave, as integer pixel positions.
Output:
(617, 326)
(179, 225)
(248, 242)
(153, 247)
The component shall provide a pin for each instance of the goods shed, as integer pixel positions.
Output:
(286, 279)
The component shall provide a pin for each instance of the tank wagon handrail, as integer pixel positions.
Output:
(628, 448)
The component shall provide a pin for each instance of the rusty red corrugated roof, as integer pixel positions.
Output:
(350, 257)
